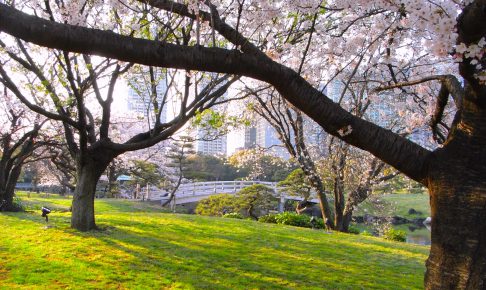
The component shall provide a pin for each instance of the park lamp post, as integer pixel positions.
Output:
(45, 212)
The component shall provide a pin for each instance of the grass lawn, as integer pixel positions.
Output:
(140, 247)
(400, 204)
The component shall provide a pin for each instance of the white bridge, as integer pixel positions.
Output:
(193, 192)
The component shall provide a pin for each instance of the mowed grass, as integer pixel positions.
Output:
(139, 247)
(399, 205)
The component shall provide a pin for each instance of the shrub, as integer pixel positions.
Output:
(366, 233)
(17, 204)
(233, 215)
(395, 235)
(269, 218)
(293, 219)
(256, 199)
(217, 205)
(353, 230)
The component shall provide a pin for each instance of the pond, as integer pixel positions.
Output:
(415, 235)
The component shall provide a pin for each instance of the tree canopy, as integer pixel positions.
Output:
(292, 46)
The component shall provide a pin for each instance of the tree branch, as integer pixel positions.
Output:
(395, 150)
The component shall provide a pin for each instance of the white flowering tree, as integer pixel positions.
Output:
(412, 42)
(78, 91)
(21, 142)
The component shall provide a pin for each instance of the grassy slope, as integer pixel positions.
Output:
(401, 203)
(140, 248)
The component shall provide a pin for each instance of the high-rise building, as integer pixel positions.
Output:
(267, 137)
(250, 137)
(140, 100)
(209, 142)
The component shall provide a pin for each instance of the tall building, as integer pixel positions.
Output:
(140, 99)
(209, 142)
(250, 137)
(267, 137)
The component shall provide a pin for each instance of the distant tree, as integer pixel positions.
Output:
(296, 184)
(256, 200)
(19, 141)
(62, 166)
(210, 168)
(256, 164)
(144, 174)
(176, 164)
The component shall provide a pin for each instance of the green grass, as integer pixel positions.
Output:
(142, 248)
(400, 204)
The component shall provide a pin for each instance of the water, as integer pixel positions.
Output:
(419, 236)
(415, 235)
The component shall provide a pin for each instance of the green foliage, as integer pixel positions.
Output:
(144, 172)
(293, 219)
(296, 184)
(395, 235)
(17, 204)
(211, 119)
(217, 205)
(353, 230)
(366, 233)
(255, 199)
(269, 219)
(234, 215)
(209, 168)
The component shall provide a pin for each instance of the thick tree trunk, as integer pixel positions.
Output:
(7, 190)
(10, 189)
(457, 185)
(88, 174)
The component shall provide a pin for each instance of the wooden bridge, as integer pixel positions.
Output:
(193, 192)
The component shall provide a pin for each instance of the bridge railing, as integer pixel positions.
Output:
(199, 190)
(217, 187)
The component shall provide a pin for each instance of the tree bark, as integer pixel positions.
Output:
(89, 171)
(457, 186)
(10, 189)
(338, 203)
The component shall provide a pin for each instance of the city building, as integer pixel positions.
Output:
(140, 100)
(209, 142)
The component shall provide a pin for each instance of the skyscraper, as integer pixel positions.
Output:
(140, 99)
(209, 142)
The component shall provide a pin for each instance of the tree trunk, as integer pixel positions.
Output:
(457, 186)
(338, 203)
(10, 188)
(88, 174)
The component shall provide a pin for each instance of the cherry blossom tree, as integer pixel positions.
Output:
(79, 91)
(252, 39)
(21, 142)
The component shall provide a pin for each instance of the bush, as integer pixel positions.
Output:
(395, 235)
(17, 204)
(217, 205)
(366, 233)
(233, 215)
(293, 219)
(353, 230)
(256, 199)
(269, 218)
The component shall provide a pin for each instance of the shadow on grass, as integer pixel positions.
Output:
(196, 255)
(203, 253)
